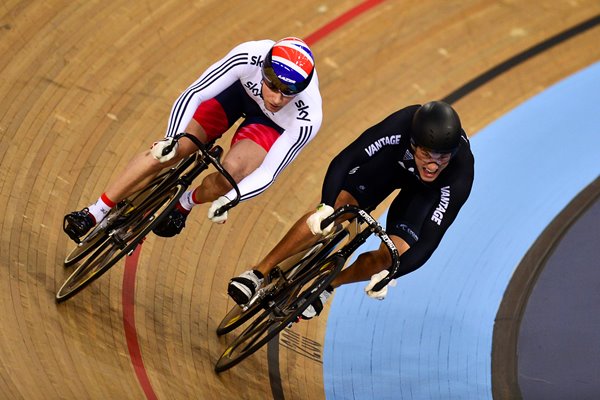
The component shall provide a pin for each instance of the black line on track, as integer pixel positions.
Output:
(519, 59)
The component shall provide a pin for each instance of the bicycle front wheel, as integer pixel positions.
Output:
(139, 221)
(237, 316)
(100, 233)
(283, 310)
(87, 245)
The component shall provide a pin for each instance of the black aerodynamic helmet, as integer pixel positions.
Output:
(436, 126)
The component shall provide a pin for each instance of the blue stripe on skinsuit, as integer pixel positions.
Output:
(432, 336)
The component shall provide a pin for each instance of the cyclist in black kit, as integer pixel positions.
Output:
(420, 149)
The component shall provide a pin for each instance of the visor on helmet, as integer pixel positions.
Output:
(288, 66)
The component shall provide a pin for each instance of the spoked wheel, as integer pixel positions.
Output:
(285, 308)
(136, 223)
(237, 316)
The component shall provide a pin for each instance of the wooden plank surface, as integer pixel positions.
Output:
(85, 85)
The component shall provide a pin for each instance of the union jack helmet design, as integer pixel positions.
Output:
(289, 65)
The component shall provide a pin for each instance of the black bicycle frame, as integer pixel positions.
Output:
(210, 155)
(372, 227)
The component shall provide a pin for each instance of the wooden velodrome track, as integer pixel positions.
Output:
(85, 85)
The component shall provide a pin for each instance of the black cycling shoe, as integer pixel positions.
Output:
(78, 223)
(172, 225)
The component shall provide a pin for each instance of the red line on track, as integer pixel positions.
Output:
(340, 21)
(133, 345)
(131, 262)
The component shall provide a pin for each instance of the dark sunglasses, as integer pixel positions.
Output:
(277, 87)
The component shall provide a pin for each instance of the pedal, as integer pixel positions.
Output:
(298, 319)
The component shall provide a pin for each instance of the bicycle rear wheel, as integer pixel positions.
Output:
(284, 309)
(237, 316)
(138, 222)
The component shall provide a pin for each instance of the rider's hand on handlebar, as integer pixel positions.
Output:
(218, 203)
(380, 295)
(158, 148)
(314, 221)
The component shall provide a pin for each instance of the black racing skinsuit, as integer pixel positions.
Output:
(380, 161)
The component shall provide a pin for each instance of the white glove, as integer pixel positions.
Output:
(314, 221)
(157, 149)
(376, 279)
(218, 203)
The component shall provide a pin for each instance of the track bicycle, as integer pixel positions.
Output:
(294, 284)
(131, 220)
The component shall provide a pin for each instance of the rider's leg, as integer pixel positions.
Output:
(209, 121)
(369, 263)
(138, 173)
(245, 155)
(249, 146)
(298, 238)
(243, 158)
(405, 218)
(143, 167)
(217, 115)
(366, 265)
